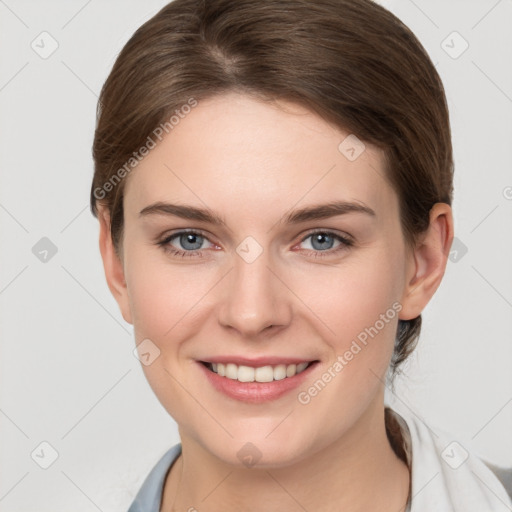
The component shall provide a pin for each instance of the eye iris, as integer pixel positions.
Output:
(321, 237)
(189, 238)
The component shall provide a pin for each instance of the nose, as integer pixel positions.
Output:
(255, 298)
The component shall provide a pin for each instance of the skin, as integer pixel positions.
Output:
(252, 163)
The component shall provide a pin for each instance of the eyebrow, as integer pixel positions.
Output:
(314, 212)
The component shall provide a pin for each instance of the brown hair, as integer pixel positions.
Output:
(350, 61)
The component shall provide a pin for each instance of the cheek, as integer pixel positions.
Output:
(164, 301)
(358, 302)
(359, 305)
(341, 301)
(163, 298)
(170, 305)
(359, 294)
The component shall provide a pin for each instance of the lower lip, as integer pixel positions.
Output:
(256, 392)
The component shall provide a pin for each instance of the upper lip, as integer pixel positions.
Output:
(257, 362)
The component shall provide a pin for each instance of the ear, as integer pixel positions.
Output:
(113, 266)
(427, 262)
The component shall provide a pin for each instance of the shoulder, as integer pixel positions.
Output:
(445, 475)
(149, 496)
(504, 475)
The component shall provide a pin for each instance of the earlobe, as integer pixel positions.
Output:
(427, 263)
(113, 266)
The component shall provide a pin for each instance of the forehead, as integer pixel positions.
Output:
(258, 157)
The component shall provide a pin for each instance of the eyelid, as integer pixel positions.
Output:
(345, 240)
(183, 231)
(328, 231)
(206, 235)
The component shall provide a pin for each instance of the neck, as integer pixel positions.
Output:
(356, 473)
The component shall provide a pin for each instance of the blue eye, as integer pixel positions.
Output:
(192, 241)
(322, 243)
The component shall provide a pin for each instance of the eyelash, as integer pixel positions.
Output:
(345, 244)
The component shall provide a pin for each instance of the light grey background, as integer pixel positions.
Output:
(68, 374)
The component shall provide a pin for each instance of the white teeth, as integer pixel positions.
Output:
(231, 371)
(264, 374)
(261, 374)
(280, 372)
(245, 374)
(301, 367)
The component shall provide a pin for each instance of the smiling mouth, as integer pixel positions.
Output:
(267, 373)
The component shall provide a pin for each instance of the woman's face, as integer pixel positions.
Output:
(260, 288)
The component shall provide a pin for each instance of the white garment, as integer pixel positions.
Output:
(442, 480)
(445, 476)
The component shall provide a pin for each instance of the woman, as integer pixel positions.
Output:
(273, 182)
